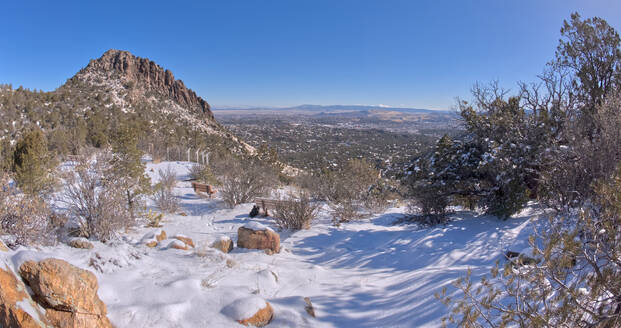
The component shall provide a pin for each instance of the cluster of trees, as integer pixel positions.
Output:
(549, 141)
(557, 141)
(104, 193)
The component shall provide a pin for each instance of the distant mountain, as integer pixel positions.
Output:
(337, 108)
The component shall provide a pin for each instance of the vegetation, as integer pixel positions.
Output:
(25, 217)
(295, 212)
(243, 179)
(163, 191)
(557, 141)
(95, 198)
(314, 145)
(128, 169)
(32, 163)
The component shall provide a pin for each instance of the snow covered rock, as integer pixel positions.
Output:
(17, 309)
(251, 311)
(224, 244)
(254, 235)
(178, 244)
(68, 292)
(186, 240)
(152, 238)
(80, 243)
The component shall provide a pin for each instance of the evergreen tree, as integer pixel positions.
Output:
(127, 166)
(32, 163)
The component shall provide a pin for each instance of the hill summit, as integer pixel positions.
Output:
(117, 89)
(145, 76)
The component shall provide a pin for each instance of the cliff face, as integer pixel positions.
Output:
(144, 75)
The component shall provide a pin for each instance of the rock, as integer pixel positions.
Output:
(160, 235)
(186, 240)
(3, 247)
(251, 311)
(224, 244)
(62, 287)
(17, 309)
(177, 244)
(80, 243)
(63, 319)
(309, 307)
(145, 74)
(151, 243)
(257, 236)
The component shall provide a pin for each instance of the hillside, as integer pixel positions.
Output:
(366, 273)
(117, 88)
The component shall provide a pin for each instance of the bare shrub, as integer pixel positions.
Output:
(243, 180)
(26, 218)
(311, 183)
(354, 191)
(95, 200)
(343, 212)
(163, 196)
(295, 212)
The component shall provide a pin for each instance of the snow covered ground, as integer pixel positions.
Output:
(370, 273)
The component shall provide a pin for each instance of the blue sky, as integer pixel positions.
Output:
(279, 53)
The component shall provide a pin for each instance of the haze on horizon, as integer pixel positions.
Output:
(419, 54)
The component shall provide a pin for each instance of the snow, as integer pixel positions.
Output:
(256, 226)
(28, 307)
(244, 308)
(366, 273)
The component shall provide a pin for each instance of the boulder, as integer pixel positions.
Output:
(186, 240)
(224, 244)
(151, 243)
(257, 236)
(17, 309)
(178, 244)
(160, 235)
(251, 311)
(80, 243)
(69, 292)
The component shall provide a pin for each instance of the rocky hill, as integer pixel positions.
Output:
(141, 76)
(117, 88)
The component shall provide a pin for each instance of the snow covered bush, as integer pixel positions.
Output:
(576, 283)
(295, 212)
(24, 218)
(163, 191)
(95, 199)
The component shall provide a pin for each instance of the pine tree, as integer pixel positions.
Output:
(32, 163)
(127, 166)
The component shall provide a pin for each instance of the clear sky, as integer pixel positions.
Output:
(279, 53)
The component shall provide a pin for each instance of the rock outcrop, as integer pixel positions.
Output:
(3, 247)
(147, 74)
(68, 293)
(257, 236)
(17, 309)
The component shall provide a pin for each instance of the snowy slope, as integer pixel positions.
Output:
(369, 273)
